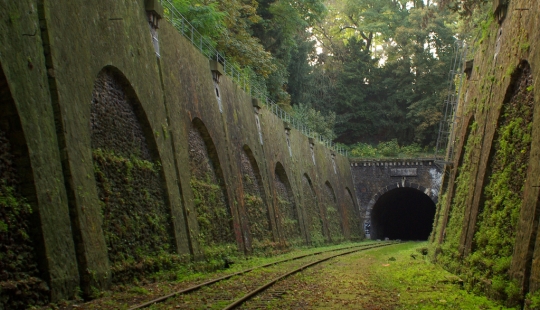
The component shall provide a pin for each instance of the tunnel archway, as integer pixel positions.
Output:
(402, 213)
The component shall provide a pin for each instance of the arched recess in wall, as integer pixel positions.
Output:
(453, 212)
(352, 216)
(20, 233)
(286, 209)
(214, 214)
(333, 213)
(255, 200)
(136, 215)
(314, 220)
(503, 192)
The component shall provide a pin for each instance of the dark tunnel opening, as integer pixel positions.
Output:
(402, 213)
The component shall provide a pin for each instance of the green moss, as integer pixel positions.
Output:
(213, 214)
(497, 222)
(334, 222)
(288, 220)
(136, 220)
(259, 226)
(449, 256)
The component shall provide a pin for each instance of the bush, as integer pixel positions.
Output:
(389, 148)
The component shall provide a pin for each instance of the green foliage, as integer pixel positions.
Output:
(20, 282)
(497, 222)
(388, 149)
(449, 256)
(288, 219)
(316, 120)
(213, 214)
(334, 222)
(385, 64)
(259, 225)
(136, 220)
(533, 300)
(363, 150)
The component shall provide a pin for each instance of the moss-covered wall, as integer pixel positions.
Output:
(127, 162)
(487, 217)
(29, 126)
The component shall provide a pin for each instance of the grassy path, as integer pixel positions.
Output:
(395, 277)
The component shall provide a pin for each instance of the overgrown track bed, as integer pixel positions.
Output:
(232, 290)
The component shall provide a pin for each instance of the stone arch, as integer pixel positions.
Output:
(23, 254)
(129, 177)
(351, 217)
(402, 184)
(255, 201)
(314, 220)
(214, 214)
(287, 215)
(334, 214)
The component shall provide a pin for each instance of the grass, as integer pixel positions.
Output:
(166, 282)
(395, 277)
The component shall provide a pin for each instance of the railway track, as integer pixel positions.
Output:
(232, 291)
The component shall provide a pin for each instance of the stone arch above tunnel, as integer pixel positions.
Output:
(287, 215)
(433, 195)
(129, 178)
(404, 213)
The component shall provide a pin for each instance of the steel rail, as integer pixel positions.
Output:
(210, 282)
(262, 288)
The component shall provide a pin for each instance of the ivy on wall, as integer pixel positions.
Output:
(286, 212)
(213, 213)
(255, 204)
(136, 218)
(314, 219)
(333, 216)
(20, 285)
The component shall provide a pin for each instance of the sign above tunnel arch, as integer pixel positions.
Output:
(404, 172)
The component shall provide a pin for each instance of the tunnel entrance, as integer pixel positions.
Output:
(402, 213)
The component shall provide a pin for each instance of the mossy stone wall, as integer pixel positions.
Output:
(486, 224)
(86, 168)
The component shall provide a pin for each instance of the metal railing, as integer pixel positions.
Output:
(238, 76)
(445, 139)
